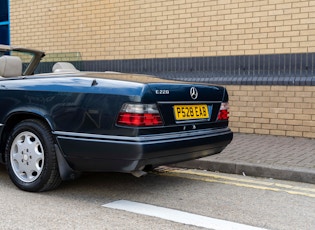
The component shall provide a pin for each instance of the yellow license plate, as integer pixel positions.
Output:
(189, 112)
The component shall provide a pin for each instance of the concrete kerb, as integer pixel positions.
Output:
(248, 169)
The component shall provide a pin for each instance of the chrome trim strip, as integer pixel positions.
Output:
(92, 136)
(188, 102)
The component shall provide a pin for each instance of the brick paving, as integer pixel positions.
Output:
(278, 157)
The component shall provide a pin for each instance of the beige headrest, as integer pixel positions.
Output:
(64, 67)
(10, 66)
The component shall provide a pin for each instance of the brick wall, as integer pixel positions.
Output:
(128, 29)
(239, 38)
(275, 110)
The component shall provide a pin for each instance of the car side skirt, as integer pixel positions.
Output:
(89, 152)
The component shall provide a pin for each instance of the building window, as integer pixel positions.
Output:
(4, 22)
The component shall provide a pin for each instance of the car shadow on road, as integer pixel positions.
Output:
(101, 187)
(106, 187)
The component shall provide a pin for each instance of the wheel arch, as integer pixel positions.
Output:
(12, 120)
(66, 172)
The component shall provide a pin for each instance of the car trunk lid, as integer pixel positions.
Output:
(188, 103)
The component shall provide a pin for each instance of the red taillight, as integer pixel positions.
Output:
(139, 115)
(224, 111)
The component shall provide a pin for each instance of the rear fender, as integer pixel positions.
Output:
(14, 117)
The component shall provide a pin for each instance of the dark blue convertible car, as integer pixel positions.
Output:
(55, 125)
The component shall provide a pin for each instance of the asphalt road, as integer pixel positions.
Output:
(78, 204)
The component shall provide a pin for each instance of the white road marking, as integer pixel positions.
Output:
(177, 216)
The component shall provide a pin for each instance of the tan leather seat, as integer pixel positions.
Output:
(10, 66)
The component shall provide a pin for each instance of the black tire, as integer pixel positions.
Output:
(31, 158)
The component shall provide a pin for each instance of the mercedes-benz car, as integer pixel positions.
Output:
(55, 125)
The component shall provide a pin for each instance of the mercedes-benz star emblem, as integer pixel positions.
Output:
(193, 93)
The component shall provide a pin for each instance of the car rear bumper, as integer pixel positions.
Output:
(126, 154)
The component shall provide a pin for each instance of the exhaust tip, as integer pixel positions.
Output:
(139, 173)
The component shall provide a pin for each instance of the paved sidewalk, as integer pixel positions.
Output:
(277, 157)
